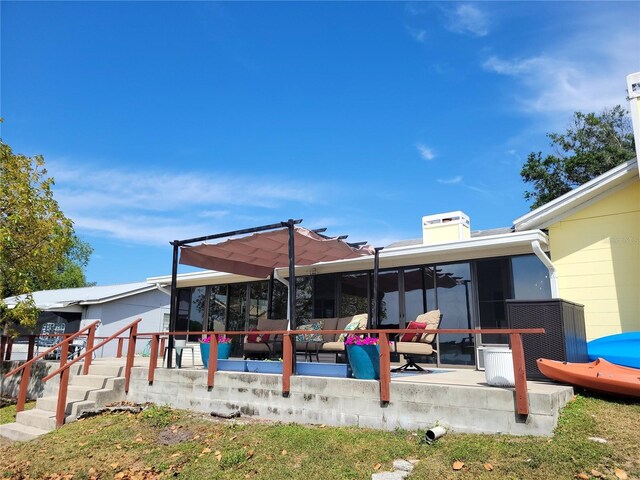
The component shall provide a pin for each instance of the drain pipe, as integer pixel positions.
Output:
(553, 272)
(281, 279)
(434, 433)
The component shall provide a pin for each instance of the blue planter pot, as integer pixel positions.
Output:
(232, 365)
(316, 369)
(260, 366)
(364, 361)
(224, 349)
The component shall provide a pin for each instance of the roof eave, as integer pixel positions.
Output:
(559, 208)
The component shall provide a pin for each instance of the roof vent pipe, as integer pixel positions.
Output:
(553, 272)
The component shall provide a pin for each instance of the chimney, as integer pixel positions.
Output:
(633, 92)
(445, 227)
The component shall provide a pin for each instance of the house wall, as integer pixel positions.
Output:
(597, 253)
(150, 306)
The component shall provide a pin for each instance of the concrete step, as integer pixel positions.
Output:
(73, 407)
(19, 432)
(43, 419)
(93, 381)
(106, 369)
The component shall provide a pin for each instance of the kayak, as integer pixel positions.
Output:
(599, 375)
(621, 349)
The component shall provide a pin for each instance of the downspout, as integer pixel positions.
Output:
(553, 272)
(163, 289)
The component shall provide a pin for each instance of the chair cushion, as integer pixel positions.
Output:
(358, 322)
(332, 347)
(310, 337)
(432, 319)
(412, 348)
(330, 324)
(260, 347)
(257, 337)
(271, 324)
(413, 337)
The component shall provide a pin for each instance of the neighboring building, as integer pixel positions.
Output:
(114, 305)
(594, 240)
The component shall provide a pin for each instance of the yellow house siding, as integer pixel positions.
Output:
(597, 253)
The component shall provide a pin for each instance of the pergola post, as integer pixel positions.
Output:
(375, 321)
(292, 287)
(173, 306)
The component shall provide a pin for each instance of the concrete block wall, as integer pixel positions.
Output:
(350, 402)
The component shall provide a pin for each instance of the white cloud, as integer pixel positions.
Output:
(418, 35)
(468, 19)
(425, 152)
(585, 73)
(450, 181)
(154, 207)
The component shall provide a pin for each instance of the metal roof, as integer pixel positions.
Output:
(66, 297)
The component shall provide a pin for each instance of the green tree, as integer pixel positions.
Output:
(591, 145)
(38, 246)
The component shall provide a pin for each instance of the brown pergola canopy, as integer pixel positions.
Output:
(259, 254)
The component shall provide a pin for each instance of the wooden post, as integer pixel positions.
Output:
(131, 351)
(120, 345)
(287, 367)
(162, 345)
(385, 368)
(24, 386)
(9, 347)
(520, 374)
(153, 358)
(213, 360)
(90, 339)
(32, 344)
(62, 389)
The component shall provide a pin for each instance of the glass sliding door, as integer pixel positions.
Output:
(454, 301)
(324, 296)
(354, 294)
(217, 308)
(493, 289)
(389, 300)
(258, 303)
(530, 278)
(236, 314)
(415, 299)
(304, 299)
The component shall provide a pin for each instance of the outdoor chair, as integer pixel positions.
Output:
(331, 343)
(413, 345)
(180, 346)
(257, 345)
(46, 340)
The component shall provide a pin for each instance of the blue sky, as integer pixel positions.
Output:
(164, 121)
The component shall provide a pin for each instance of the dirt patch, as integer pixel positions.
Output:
(173, 436)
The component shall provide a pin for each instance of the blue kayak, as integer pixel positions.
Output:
(621, 349)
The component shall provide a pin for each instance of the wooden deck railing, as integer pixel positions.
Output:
(25, 368)
(522, 399)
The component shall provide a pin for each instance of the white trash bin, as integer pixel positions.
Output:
(498, 367)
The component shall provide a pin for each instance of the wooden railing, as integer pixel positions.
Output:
(63, 371)
(522, 399)
(25, 368)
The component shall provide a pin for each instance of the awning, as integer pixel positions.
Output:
(259, 254)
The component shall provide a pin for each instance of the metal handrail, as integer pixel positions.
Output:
(48, 351)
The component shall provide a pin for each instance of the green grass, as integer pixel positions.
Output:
(177, 443)
(8, 413)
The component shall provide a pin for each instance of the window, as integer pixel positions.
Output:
(530, 278)
(354, 298)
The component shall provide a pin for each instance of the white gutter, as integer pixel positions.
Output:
(553, 272)
(163, 289)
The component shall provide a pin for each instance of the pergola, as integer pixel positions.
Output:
(257, 252)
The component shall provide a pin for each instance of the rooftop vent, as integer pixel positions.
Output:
(445, 227)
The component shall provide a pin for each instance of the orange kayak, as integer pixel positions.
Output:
(599, 375)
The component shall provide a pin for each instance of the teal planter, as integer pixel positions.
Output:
(224, 349)
(364, 361)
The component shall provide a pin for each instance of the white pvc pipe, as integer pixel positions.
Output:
(434, 433)
(553, 272)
